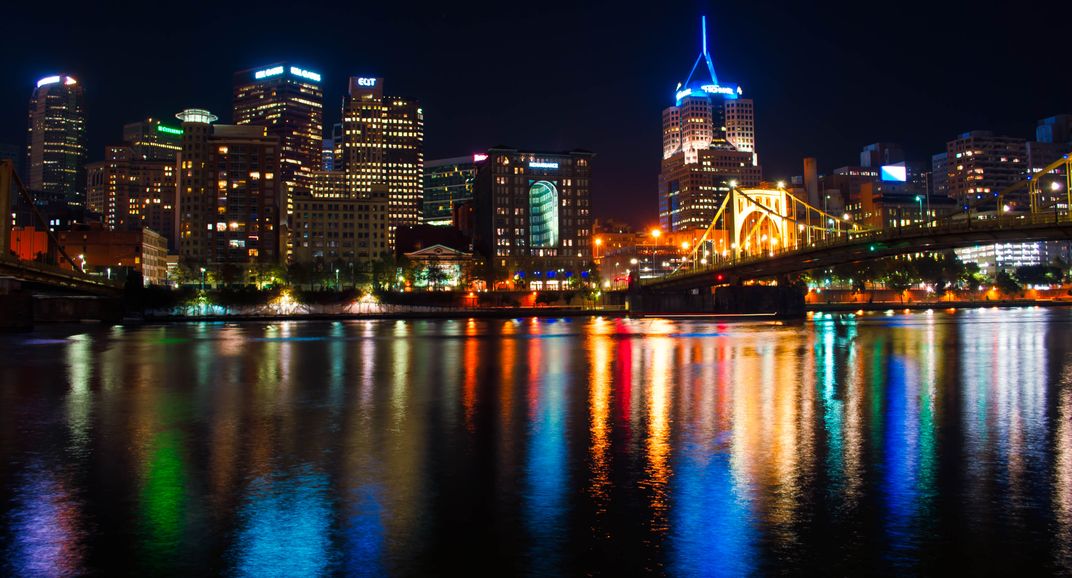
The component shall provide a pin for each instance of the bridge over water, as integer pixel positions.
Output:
(36, 289)
(768, 233)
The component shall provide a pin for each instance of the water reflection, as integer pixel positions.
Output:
(545, 469)
(846, 445)
(283, 526)
(46, 527)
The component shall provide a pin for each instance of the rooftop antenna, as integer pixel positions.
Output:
(704, 55)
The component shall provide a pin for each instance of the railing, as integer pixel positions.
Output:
(947, 225)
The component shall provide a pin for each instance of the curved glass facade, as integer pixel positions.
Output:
(543, 214)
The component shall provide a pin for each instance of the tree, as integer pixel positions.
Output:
(434, 274)
(939, 270)
(384, 271)
(970, 276)
(1038, 275)
(899, 277)
(228, 273)
(1007, 284)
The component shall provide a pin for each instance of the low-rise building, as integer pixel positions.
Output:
(440, 268)
(105, 252)
(884, 206)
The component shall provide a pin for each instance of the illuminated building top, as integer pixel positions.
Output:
(279, 69)
(699, 87)
(68, 80)
(198, 115)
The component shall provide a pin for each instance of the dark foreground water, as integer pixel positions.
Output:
(851, 445)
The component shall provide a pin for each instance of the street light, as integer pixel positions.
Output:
(202, 278)
(919, 199)
(336, 279)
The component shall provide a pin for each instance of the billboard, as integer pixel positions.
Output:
(894, 173)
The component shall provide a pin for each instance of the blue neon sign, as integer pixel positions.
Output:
(268, 72)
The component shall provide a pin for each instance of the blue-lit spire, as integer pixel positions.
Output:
(701, 87)
(704, 55)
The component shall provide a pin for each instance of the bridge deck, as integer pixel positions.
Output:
(41, 274)
(878, 244)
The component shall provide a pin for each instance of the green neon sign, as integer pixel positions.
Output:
(168, 129)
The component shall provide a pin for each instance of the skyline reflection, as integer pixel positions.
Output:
(845, 445)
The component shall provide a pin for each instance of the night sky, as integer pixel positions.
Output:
(556, 76)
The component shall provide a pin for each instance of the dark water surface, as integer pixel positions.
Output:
(890, 444)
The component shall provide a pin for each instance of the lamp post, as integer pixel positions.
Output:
(336, 279)
(919, 199)
(202, 278)
(655, 234)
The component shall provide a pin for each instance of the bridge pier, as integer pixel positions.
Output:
(782, 301)
(20, 309)
(16, 306)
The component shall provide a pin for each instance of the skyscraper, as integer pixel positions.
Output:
(288, 101)
(230, 200)
(332, 148)
(447, 184)
(56, 139)
(980, 164)
(151, 139)
(383, 148)
(134, 186)
(709, 145)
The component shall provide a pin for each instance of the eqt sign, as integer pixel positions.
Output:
(366, 82)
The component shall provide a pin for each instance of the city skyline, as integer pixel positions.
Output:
(833, 104)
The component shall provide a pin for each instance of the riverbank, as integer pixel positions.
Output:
(924, 305)
(560, 312)
(460, 313)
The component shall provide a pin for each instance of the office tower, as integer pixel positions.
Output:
(709, 146)
(534, 222)
(981, 164)
(346, 232)
(939, 185)
(151, 139)
(132, 192)
(288, 101)
(878, 154)
(230, 194)
(56, 139)
(447, 184)
(383, 146)
(1055, 129)
(14, 153)
(1053, 140)
(332, 149)
(336, 228)
(811, 180)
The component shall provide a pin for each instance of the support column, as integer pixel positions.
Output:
(7, 185)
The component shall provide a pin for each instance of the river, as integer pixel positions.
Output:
(885, 443)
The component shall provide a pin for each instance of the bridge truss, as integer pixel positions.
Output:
(753, 225)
